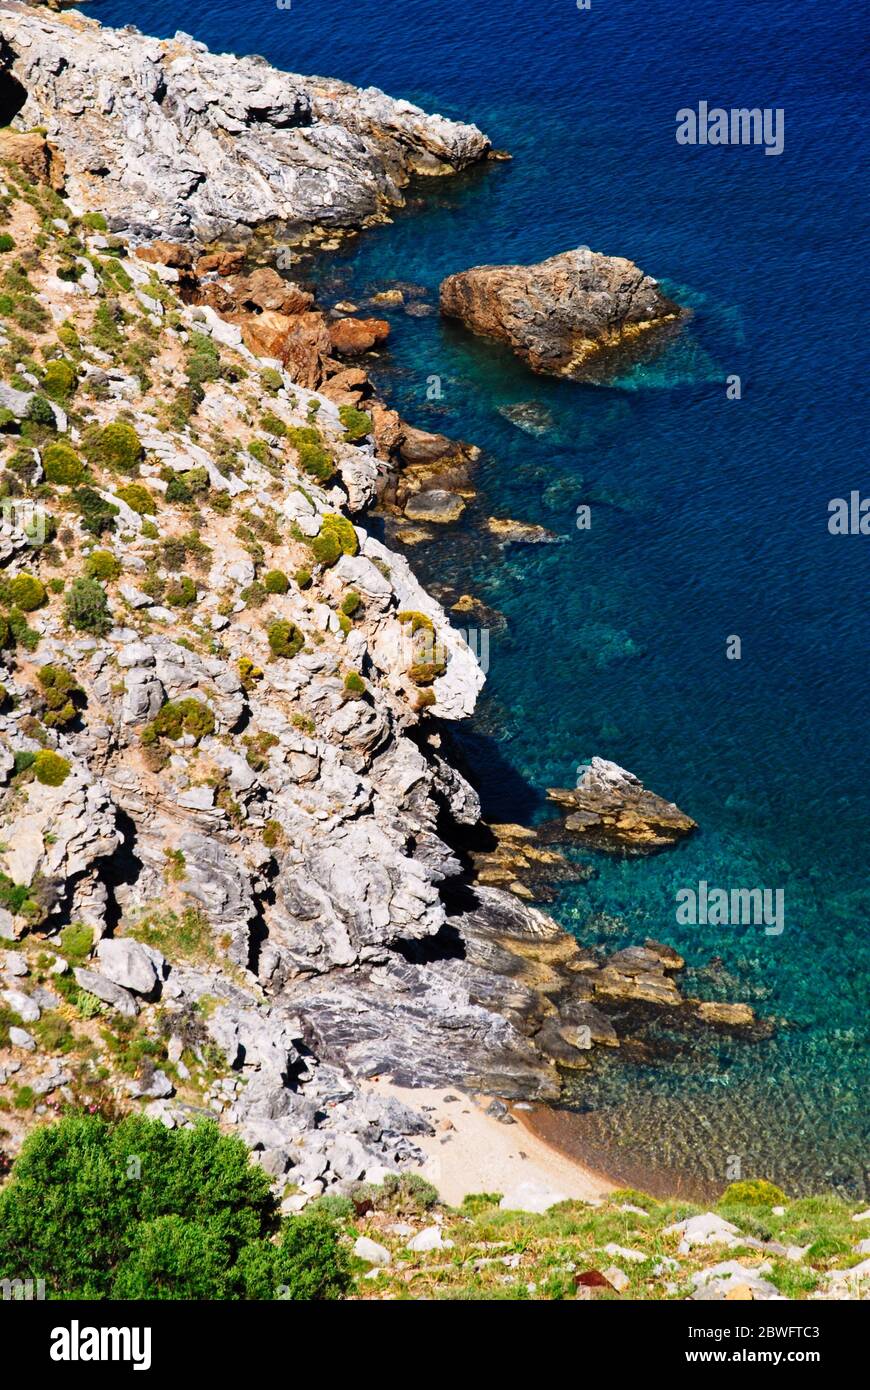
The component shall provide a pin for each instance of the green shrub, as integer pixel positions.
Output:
(95, 221)
(399, 1192)
(97, 514)
(113, 446)
(357, 424)
(68, 336)
(76, 942)
(7, 243)
(40, 411)
(203, 363)
(177, 490)
(178, 717)
(272, 424)
(59, 380)
(326, 549)
(308, 1264)
(303, 578)
(135, 1210)
(62, 464)
(50, 768)
(314, 457)
(354, 684)
(350, 603)
(27, 592)
(276, 582)
(342, 530)
(24, 760)
(271, 379)
(138, 499)
(86, 608)
(473, 1203)
(425, 672)
(102, 564)
(753, 1192)
(285, 638)
(181, 592)
(105, 333)
(13, 896)
(170, 1258)
(418, 621)
(14, 631)
(62, 695)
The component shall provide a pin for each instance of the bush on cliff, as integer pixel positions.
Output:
(285, 638)
(138, 499)
(62, 465)
(62, 695)
(52, 771)
(97, 514)
(86, 608)
(177, 717)
(314, 457)
(26, 592)
(134, 1210)
(113, 446)
(357, 424)
(59, 380)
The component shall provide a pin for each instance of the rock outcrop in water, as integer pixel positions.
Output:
(170, 140)
(611, 809)
(574, 315)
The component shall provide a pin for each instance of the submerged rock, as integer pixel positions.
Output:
(435, 506)
(530, 416)
(565, 316)
(521, 532)
(612, 810)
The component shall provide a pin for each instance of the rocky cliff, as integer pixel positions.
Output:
(229, 875)
(170, 140)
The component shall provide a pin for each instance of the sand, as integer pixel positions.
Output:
(481, 1153)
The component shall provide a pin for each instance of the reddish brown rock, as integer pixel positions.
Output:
(346, 387)
(264, 288)
(170, 253)
(299, 341)
(387, 429)
(352, 336)
(576, 315)
(419, 447)
(220, 263)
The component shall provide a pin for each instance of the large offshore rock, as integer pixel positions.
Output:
(565, 316)
(171, 141)
(612, 810)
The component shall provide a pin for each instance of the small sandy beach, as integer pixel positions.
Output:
(475, 1152)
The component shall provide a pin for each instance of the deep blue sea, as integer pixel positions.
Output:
(709, 515)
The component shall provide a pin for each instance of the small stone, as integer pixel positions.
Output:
(369, 1250)
(26, 1008)
(617, 1278)
(429, 1239)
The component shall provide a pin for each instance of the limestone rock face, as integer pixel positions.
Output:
(171, 141)
(612, 810)
(573, 315)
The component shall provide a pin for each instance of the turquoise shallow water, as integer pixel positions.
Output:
(708, 515)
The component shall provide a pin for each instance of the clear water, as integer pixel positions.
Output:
(709, 516)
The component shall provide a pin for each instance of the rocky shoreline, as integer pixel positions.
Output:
(247, 853)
